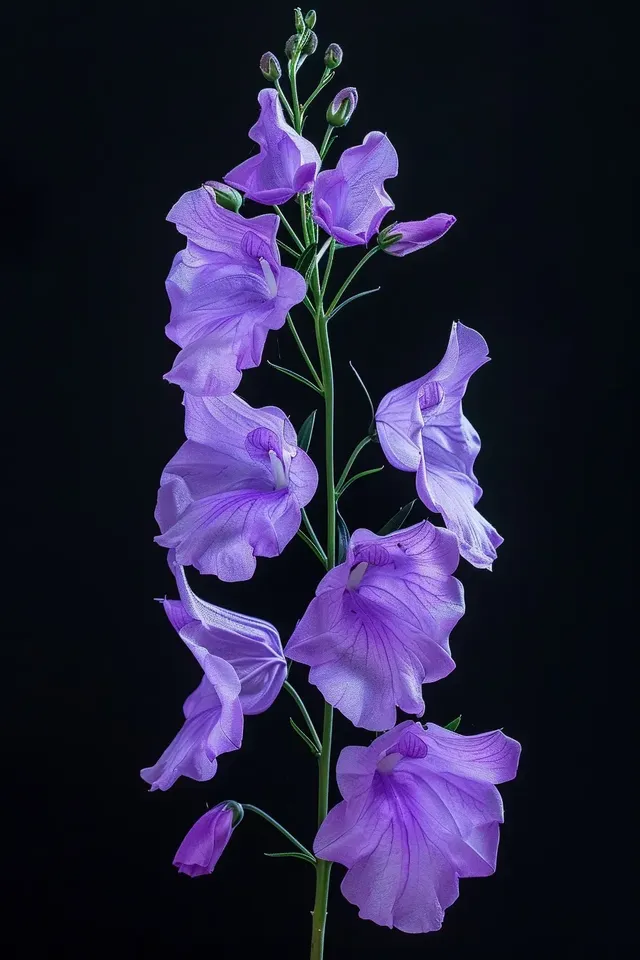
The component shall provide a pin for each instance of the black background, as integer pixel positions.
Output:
(114, 111)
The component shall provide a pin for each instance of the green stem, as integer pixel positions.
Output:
(278, 826)
(303, 214)
(327, 269)
(283, 100)
(350, 463)
(323, 867)
(313, 537)
(325, 141)
(295, 103)
(305, 713)
(285, 246)
(309, 542)
(303, 352)
(356, 270)
(288, 226)
(327, 76)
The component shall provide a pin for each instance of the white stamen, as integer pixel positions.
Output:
(356, 575)
(272, 286)
(277, 467)
(387, 763)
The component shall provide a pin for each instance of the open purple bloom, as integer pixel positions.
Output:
(420, 810)
(416, 234)
(422, 429)
(204, 844)
(227, 290)
(350, 202)
(287, 163)
(251, 646)
(379, 625)
(234, 489)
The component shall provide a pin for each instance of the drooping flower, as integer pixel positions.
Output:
(234, 489)
(379, 625)
(287, 163)
(422, 429)
(251, 646)
(420, 810)
(416, 234)
(204, 844)
(350, 202)
(227, 290)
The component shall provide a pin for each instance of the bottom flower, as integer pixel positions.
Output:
(419, 811)
(204, 844)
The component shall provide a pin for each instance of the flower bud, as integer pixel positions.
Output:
(299, 20)
(333, 56)
(342, 106)
(290, 46)
(310, 19)
(311, 45)
(226, 196)
(270, 67)
(389, 236)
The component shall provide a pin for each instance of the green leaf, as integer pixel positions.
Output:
(454, 724)
(296, 376)
(293, 853)
(356, 296)
(306, 431)
(396, 520)
(364, 473)
(343, 537)
(309, 742)
(307, 259)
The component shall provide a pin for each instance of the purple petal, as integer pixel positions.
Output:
(491, 757)
(203, 845)
(350, 201)
(287, 162)
(416, 234)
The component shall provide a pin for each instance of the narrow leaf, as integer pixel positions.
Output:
(364, 473)
(303, 736)
(396, 520)
(306, 431)
(368, 396)
(306, 260)
(356, 296)
(296, 376)
(293, 853)
(343, 537)
(453, 726)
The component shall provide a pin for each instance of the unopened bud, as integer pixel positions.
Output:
(333, 56)
(270, 67)
(226, 196)
(311, 45)
(342, 106)
(387, 237)
(299, 20)
(310, 19)
(290, 46)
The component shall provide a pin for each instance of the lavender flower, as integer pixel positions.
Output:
(416, 234)
(422, 429)
(251, 646)
(287, 163)
(204, 844)
(419, 811)
(227, 290)
(234, 489)
(350, 202)
(379, 624)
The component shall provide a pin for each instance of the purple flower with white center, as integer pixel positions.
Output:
(251, 646)
(422, 429)
(227, 290)
(420, 810)
(379, 625)
(235, 489)
(350, 202)
(416, 234)
(204, 844)
(287, 163)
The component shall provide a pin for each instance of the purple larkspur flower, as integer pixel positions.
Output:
(227, 290)
(350, 201)
(251, 646)
(235, 488)
(286, 164)
(379, 624)
(204, 844)
(422, 429)
(420, 810)
(416, 234)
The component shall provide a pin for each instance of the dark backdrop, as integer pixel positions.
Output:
(118, 109)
